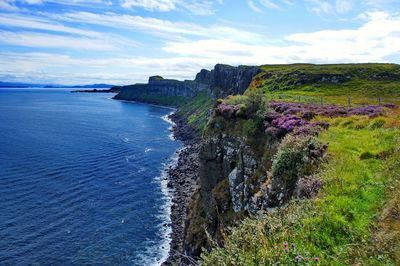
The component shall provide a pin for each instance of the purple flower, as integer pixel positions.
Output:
(308, 111)
(285, 244)
(288, 122)
(298, 258)
(316, 259)
(227, 111)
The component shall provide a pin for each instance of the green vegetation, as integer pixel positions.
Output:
(355, 217)
(353, 221)
(295, 159)
(363, 83)
(162, 100)
(197, 110)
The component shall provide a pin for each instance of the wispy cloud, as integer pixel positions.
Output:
(164, 28)
(44, 40)
(254, 7)
(373, 41)
(40, 23)
(151, 5)
(343, 6)
(269, 4)
(8, 5)
(197, 7)
(320, 6)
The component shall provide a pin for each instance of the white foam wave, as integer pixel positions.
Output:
(168, 120)
(161, 250)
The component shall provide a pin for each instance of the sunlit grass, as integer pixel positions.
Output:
(337, 228)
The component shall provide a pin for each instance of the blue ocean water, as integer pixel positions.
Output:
(81, 179)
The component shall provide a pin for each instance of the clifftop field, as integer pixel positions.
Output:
(363, 83)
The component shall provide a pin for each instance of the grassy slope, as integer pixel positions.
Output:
(356, 217)
(361, 87)
(337, 227)
(196, 111)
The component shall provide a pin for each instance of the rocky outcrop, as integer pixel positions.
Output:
(223, 80)
(160, 91)
(227, 157)
(226, 80)
(242, 173)
(228, 183)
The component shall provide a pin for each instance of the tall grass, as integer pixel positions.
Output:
(336, 228)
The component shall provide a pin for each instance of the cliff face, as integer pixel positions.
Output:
(228, 185)
(226, 80)
(160, 91)
(223, 80)
(248, 169)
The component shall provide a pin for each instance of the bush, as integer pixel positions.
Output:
(250, 127)
(367, 155)
(377, 123)
(297, 157)
(255, 101)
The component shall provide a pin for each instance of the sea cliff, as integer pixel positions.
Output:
(219, 82)
(259, 139)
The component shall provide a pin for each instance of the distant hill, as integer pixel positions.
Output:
(90, 86)
(32, 85)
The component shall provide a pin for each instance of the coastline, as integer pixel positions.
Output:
(181, 177)
(182, 182)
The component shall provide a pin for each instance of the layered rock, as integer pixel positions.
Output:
(244, 173)
(160, 91)
(223, 80)
(226, 80)
(228, 184)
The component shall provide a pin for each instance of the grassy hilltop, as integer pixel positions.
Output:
(355, 218)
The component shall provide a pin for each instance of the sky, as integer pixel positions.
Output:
(126, 41)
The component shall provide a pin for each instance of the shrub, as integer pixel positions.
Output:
(255, 101)
(367, 155)
(297, 157)
(250, 127)
(288, 122)
(377, 123)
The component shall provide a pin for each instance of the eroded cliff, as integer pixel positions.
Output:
(223, 80)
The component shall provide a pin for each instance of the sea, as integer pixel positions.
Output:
(82, 179)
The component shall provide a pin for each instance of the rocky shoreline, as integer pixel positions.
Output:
(182, 182)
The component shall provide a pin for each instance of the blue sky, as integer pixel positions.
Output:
(125, 41)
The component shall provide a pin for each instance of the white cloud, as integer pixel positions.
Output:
(343, 6)
(164, 28)
(196, 7)
(254, 7)
(269, 4)
(160, 5)
(43, 40)
(67, 2)
(200, 8)
(62, 69)
(8, 5)
(320, 6)
(33, 2)
(374, 41)
(38, 23)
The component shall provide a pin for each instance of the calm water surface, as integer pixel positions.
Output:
(81, 179)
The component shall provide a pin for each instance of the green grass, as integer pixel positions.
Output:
(364, 83)
(196, 110)
(338, 226)
(162, 100)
